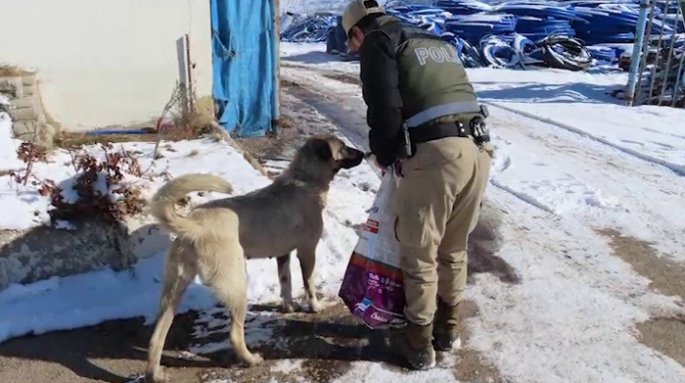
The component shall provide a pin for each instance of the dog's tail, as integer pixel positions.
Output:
(164, 201)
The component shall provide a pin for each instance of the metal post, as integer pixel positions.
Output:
(277, 75)
(679, 80)
(666, 72)
(645, 53)
(637, 48)
(184, 74)
(191, 88)
(677, 86)
(654, 72)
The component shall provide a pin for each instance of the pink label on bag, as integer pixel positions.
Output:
(373, 291)
(372, 287)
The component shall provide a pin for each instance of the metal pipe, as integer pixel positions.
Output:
(677, 87)
(189, 63)
(668, 61)
(276, 109)
(654, 67)
(635, 57)
(645, 52)
(680, 82)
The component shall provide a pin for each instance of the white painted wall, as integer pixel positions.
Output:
(106, 62)
(335, 6)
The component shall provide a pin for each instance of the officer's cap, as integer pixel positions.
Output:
(357, 10)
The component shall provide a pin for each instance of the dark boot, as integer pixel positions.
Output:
(413, 343)
(446, 334)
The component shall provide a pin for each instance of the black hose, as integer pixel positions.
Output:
(565, 52)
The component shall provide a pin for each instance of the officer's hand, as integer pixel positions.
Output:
(372, 158)
(397, 166)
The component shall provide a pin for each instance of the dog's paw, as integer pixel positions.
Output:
(315, 307)
(289, 307)
(254, 360)
(159, 376)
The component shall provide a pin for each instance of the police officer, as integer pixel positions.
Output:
(423, 114)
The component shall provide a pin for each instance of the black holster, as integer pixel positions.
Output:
(476, 129)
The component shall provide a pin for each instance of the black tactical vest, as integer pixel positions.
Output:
(433, 83)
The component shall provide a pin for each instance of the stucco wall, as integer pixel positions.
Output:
(335, 6)
(106, 62)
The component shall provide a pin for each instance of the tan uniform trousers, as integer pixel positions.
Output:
(437, 205)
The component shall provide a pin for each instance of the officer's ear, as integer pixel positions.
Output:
(357, 35)
(356, 32)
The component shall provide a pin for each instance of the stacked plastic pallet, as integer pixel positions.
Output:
(568, 34)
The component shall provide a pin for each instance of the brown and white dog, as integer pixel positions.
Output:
(217, 237)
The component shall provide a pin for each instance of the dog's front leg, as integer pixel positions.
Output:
(307, 258)
(285, 280)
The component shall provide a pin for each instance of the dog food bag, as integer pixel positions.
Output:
(372, 286)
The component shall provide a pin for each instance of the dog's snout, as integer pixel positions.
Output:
(354, 158)
(358, 153)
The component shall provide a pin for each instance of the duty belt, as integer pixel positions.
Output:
(438, 131)
(476, 130)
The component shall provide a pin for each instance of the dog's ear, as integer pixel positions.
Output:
(321, 149)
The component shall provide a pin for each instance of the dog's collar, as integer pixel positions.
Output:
(299, 183)
(321, 194)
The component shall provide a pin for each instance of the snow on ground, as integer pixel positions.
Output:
(374, 372)
(577, 101)
(304, 54)
(564, 168)
(24, 208)
(105, 295)
(88, 299)
(564, 123)
(136, 293)
(571, 319)
(540, 164)
(8, 145)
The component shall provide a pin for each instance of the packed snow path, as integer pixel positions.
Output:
(577, 295)
(573, 317)
(560, 171)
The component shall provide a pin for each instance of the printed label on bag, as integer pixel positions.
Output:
(373, 291)
(363, 305)
(378, 317)
(371, 226)
(372, 288)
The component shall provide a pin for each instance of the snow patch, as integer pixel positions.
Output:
(8, 146)
(24, 207)
(105, 295)
(287, 366)
(375, 372)
(575, 309)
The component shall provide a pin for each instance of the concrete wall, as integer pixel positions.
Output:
(28, 116)
(106, 62)
(43, 252)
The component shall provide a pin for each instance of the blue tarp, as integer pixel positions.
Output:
(245, 59)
